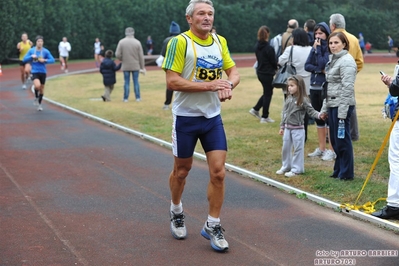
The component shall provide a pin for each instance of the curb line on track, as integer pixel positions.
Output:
(232, 168)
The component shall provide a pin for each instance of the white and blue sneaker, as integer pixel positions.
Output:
(215, 235)
(177, 227)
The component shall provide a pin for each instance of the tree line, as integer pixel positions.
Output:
(81, 21)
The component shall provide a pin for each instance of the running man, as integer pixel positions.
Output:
(64, 48)
(39, 56)
(97, 51)
(194, 62)
(23, 47)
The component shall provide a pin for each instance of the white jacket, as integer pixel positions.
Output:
(299, 56)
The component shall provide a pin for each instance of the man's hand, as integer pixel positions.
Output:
(387, 80)
(225, 94)
(223, 87)
(281, 132)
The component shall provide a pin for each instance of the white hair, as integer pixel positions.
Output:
(338, 20)
(191, 6)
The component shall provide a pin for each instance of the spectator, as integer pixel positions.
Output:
(316, 63)
(391, 210)
(300, 52)
(130, 52)
(368, 47)
(309, 28)
(174, 30)
(150, 45)
(292, 129)
(361, 43)
(337, 24)
(196, 114)
(108, 69)
(286, 39)
(340, 102)
(267, 66)
(390, 44)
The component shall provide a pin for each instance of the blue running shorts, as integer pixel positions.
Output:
(187, 130)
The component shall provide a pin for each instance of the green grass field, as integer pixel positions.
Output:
(253, 146)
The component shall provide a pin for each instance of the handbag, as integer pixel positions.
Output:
(283, 73)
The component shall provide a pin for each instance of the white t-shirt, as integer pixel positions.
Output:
(64, 48)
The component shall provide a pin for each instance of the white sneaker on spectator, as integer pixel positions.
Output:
(328, 155)
(254, 113)
(290, 174)
(281, 171)
(266, 120)
(317, 152)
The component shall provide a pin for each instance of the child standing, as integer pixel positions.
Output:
(108, 69)
(292, 127)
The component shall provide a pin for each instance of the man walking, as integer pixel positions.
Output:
(194, 63)
(130, 52)
(337, 23)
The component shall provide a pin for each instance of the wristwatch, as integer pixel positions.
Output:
(231, 84)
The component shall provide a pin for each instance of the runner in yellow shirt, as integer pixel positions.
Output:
(23, 47)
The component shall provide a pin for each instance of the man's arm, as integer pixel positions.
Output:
(233, 76)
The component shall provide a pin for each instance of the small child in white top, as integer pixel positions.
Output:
(292, 127)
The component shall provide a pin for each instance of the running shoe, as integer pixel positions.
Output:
(254, 113)
(36, 102)
(177, 227)
(215, 235)
(24, 87)
(317, 152)
(165, 107)
(40, 108)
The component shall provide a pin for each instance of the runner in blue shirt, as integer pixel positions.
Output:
(39, 56)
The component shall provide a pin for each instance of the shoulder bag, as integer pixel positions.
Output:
(283, 73)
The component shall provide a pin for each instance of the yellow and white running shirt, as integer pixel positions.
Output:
(25, 46)
(200, 61)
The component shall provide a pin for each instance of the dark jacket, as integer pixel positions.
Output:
(394, 87)
(266, 57)
(165, 43)
(108, 69)
(394, 91)
(317, 60)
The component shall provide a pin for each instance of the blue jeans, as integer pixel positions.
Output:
(136, 85)
(344, 163)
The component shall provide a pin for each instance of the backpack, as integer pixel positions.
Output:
(275, 42)
(390, 106)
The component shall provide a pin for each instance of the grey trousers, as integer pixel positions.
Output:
(107, 92)
(293, 150)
